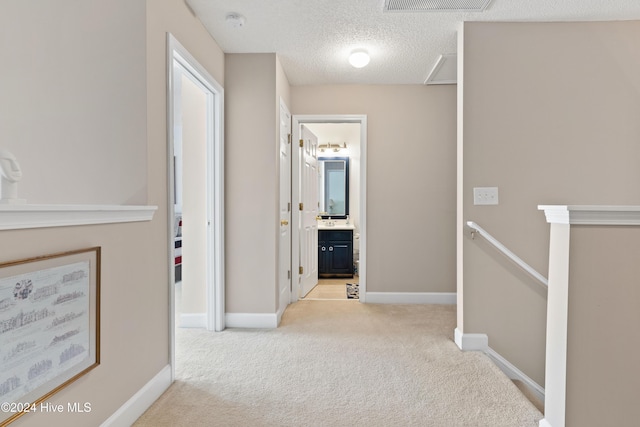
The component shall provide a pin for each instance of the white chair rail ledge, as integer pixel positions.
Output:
(591, 214)
(21, 216)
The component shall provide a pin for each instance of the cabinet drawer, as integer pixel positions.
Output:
(338, 235)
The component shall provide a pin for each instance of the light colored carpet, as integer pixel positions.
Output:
(339, 363)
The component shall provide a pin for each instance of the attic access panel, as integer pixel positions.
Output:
(435, 5)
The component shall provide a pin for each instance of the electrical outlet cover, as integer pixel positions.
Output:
(485, 195)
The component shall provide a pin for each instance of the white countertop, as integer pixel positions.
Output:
(322, 225)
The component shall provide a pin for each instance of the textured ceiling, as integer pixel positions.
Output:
(314, 38)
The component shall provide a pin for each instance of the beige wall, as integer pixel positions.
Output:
(251, 183)
(603, 340)
(75, 137)
(550, 117)
(411, 179)
(108, 38)
(162, 17)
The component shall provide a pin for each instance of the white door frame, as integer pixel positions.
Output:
(215, 188)
(297, 120)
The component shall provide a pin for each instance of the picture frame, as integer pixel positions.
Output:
(49, 327)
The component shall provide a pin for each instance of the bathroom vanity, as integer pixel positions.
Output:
(335, 233)
(335, 251)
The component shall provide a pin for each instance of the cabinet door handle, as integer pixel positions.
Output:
(330, 248)
(324, 249)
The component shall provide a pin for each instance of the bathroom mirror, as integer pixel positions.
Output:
(333, 189)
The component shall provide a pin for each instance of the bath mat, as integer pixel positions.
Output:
(353, 291)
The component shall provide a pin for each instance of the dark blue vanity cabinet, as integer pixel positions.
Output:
(335, 253)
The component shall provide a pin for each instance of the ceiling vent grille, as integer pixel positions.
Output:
(435, 5)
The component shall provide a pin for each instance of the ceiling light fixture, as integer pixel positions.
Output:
(235, 20)
(359, 58)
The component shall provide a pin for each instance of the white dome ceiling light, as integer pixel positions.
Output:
(359, 58)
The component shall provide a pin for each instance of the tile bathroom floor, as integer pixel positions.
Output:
(331, 289)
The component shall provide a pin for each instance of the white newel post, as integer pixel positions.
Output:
(593, 301)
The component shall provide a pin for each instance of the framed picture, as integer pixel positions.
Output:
(49, 327)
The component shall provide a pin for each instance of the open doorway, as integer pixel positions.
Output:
(195, 153)
(336, 130)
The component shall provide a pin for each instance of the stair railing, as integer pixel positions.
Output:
(475, 228)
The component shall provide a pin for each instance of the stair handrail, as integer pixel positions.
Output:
(475, 228)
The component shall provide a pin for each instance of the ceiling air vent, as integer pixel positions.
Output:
(435, 5)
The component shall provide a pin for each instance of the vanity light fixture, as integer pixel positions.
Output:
(334, 147)
(359, 58)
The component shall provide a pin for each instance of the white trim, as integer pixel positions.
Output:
(215, 175)
(133, 408)
(280, 313)
(410, 297)
(544, 423)
(193, 320)
(215, 210)
(514, 373)
(471, 342)
(591, 215)
(480, 342)
(297, 120)
(252, 320)
(14, 217)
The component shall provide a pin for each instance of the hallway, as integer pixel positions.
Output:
(339, 364)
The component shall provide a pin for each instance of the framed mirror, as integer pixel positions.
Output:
(333, 189)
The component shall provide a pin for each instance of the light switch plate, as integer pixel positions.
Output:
(485, 195)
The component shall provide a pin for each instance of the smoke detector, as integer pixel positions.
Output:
(235, 20)
(435, 5)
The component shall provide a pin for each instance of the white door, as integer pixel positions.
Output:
(308, 211)
(284, 254)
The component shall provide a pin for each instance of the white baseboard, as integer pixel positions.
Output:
(193, 320)
(480, 342)
(411, 298)
(251, 320)
(514, 373)
(133, 408)
(544, 423)
(471, 342)
(279, 315)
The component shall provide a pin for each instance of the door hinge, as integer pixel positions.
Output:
(288, 138)
(289, 207)
(300, 270)
(301, 206)
(302, 143)
(288, 274)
